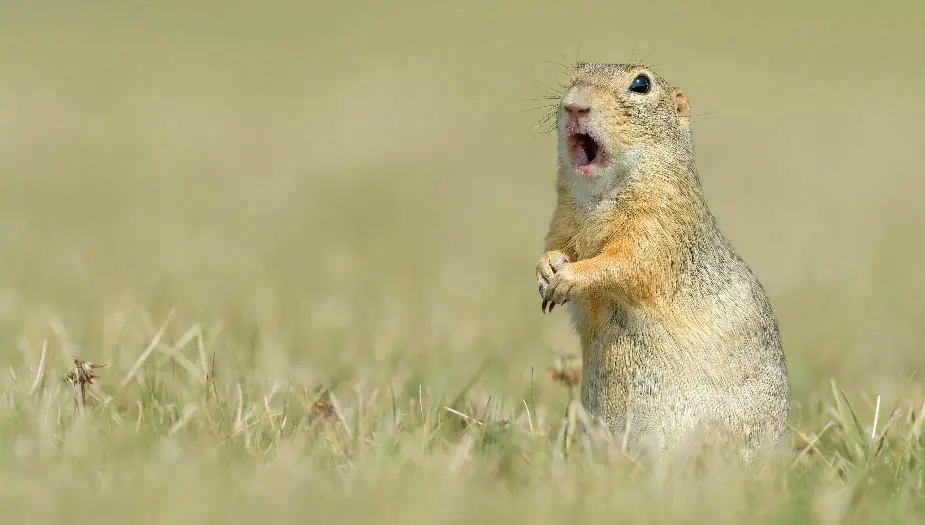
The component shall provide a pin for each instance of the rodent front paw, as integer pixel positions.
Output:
(564, 285)
(546, 268)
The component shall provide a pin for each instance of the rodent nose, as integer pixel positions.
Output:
(577, 109)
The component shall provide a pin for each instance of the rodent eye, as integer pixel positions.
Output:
(641, 84)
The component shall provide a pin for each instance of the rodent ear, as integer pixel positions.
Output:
(681, 104)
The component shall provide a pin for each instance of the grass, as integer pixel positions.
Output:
(301, 241)
(188, 433)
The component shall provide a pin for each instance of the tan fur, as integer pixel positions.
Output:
(677, 334)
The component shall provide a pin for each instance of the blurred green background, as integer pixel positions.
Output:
(358, 189)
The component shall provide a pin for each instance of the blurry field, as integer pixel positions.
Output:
(354, 198)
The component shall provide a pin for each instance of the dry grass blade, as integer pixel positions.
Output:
(239, 412)
(529, 418)
(464, 416)
(152, 346)
(811, 443)
(210, 376)
(919, 422)
(174, 353)
(339, 413)
(203, 361)
(40, 371)
(184, 419)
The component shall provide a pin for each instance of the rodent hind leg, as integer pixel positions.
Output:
(575, 415)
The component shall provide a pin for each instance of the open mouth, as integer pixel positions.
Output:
(585, 150)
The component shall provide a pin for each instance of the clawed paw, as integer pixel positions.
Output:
(547, 267)
(561, 287)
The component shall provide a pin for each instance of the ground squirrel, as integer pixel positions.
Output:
(676, 332)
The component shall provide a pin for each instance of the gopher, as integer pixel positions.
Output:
(677, 334)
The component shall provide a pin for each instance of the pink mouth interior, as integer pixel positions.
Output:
(584, 150)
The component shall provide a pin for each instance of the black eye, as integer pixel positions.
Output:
(640, 85)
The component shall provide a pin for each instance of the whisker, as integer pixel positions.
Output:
(544, 97)
(698, 116)
(552, 91)
(565, 67)
(546, 123)
(536, 108)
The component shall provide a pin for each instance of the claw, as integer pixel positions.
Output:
(558, 264)
(551, 306)
(543, 307)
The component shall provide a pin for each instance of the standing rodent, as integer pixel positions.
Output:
(677, 334)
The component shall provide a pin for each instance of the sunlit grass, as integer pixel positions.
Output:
(177, 403)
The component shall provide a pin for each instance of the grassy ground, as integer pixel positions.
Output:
(295, 235)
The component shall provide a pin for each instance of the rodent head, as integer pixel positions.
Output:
(615, 116)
